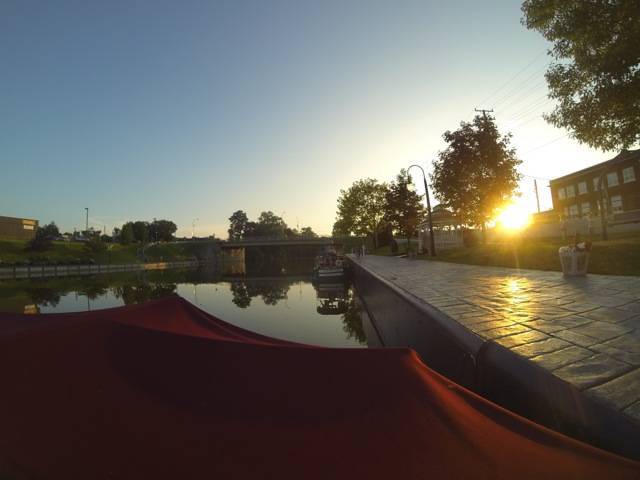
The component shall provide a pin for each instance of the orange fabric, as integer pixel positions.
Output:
(164, 390)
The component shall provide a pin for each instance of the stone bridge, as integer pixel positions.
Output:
(279, 242)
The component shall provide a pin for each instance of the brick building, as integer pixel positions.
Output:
(18, 228)
(617, 181)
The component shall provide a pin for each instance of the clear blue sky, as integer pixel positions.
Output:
(193, 109)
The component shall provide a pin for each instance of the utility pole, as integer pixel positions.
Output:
(535, 186)
(193, 227)
(483, 111)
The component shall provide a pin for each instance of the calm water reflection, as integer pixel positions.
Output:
(283, 306)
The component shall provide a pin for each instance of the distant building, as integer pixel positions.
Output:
(578, 194)
(18, 228)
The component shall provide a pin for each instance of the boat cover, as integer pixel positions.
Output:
(165, 390)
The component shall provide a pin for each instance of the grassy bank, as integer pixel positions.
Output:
(15, 252)
(618, 256)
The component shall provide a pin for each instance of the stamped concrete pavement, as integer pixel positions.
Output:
(586, 330)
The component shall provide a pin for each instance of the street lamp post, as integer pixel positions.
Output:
(432, 244)
(604, 205)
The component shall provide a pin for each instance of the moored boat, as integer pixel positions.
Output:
(329, 265)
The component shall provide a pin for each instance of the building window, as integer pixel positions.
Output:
(612, 179)
(573, 210)
(571, 191)
(628, 175)
(582, 188)
(28, 227)
(596, 181)
(566, 211)
(616, 204)
(586, 208)
(561, 194)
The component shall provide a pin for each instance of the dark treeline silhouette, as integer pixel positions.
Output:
(143, 232)
(268, 225)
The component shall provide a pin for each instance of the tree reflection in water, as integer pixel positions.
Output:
(272, 286)
(43, 296)
(131, 287)
(241, 297)
(271, 291)
(352, 319)
(143, 292)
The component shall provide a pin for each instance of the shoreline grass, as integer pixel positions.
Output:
(617, 256)
(15, 252)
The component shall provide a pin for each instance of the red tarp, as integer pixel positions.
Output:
(164, 390)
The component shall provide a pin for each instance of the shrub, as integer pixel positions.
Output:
(95, 245)
(40, 243)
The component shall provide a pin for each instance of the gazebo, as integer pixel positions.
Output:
(447, 230)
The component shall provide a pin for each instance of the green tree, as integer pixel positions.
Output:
(141, 231)
(476, 174)
(162, 230)
(49, 230)
(596, 73)
(270, 225)
(251, 230)
(95, 245)
(238, 225)
(361, 209)
(126, 234)
(307, 232)
(41, 242)
(404, 206)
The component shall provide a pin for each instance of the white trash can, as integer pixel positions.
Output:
(574, 262)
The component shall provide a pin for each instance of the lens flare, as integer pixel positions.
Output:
(514, 217)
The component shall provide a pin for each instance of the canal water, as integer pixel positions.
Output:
(279, 302)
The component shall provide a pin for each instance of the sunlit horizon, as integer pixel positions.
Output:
(194, 111)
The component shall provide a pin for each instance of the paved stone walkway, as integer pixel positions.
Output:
(585, 330)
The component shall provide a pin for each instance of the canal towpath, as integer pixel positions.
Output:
(584, 330)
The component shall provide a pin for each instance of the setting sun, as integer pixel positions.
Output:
(514, 217)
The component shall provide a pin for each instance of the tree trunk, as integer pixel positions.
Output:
(484, 233)
(375, 238)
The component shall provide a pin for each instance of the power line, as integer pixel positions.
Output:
(522, 124)
(525, 100)
(538, 177)
(534, 115)
(515, 76)
(533, 108)
(545, 144)
(517, 88)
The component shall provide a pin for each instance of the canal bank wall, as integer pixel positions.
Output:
(402, 319)
(43, 271)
